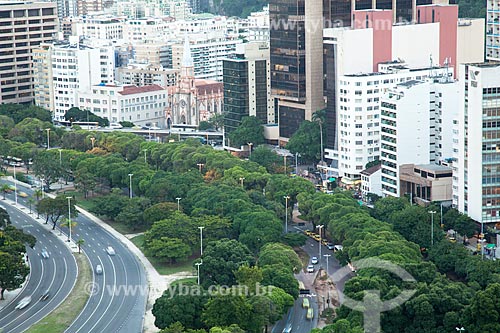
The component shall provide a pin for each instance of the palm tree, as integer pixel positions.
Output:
(80, 243)
(38, 194)
(4, 188)
(31, 201)
(320, 117)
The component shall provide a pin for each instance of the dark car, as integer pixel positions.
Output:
(45, 296)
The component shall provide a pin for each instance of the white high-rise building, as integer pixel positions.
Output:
(477, 171)
(208, 55)
(67, 68)
(493, 29)
(100, 27)
(417, 120)
(359, 113)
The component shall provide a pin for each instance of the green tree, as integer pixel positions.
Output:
(178, 305)
(6, 124)
(84, 181)
(46, 165)
(306, 142)
(171, 250)
(75, 114)
(110, 205)
(227, 310)
(5, 188)
(221, 259)
(250, 130)
(132, 214)
(267, 158)
(13, 272)
(80, 243)
(159, 211)
(56, 208)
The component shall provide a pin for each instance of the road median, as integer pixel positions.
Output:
(62, 317)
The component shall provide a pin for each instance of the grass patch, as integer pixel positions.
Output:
(304, 257)
(62, 317)
(160, 266)
(185, 281)
(123, 228)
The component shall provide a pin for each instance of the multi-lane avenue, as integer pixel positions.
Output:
(118, 295)
(55, 274)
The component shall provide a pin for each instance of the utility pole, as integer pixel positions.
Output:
(320, 227)
(286, 197)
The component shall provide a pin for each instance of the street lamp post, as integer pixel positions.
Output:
(460, 329)
(48, 138)
(41, 186)
(15, 184)
(286, 197)
(250, 149)
(69, 218)
(145, 156)
(178, 203)
(60, 157)
(432, 212)
(92, 140)
(130, 190)
(198, 264)
(241, 181)
(200, 165)
(296, 164)
(284, 162)
(201, 240)
(320, 227)
(327, 256)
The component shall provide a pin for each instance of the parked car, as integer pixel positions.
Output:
(110, 251)
(330, 246)
(310, 269)
(314, 260)
(23, 303)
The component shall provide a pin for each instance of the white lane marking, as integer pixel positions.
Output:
(111, 301)
(103, 289)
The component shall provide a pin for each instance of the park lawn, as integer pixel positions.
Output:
(62, 317)
(160, 266)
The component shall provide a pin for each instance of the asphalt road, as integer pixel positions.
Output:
(118, 296)
(57, 274)
(296, 315)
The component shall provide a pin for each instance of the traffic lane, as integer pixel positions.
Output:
(296, 317)
(56, 274)
(97, 238)
(312, 249)
(130, 291)
(41, 308)
(121, 299)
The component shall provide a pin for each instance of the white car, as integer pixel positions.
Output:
(110, 251)
(115, 126)
(45, 254)
(23, 303)
(310, 269)
(314, 260)
(98, 269)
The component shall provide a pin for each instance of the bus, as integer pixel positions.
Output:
(88, 125)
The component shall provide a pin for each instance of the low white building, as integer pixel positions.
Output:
(143, 106)
(370, 181)
(100, 27)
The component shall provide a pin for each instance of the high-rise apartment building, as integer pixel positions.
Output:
(247, 86)
(23, 27)
(493, 30)
(477, 167)
(64, 69)
(359, 113)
